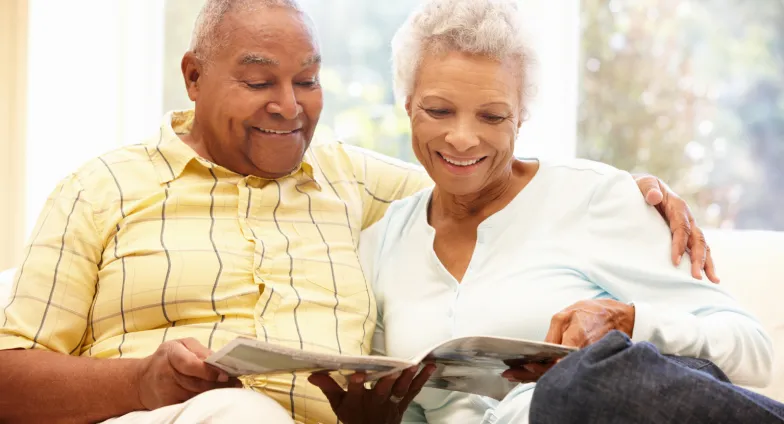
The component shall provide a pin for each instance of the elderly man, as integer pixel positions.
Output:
(226, 224)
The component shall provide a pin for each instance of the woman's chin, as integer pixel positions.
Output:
(458, 186)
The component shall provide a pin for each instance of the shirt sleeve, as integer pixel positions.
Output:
(387, 180)
(629, 246)
(54, 288)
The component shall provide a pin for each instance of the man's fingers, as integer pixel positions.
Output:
(649, 187)
(574, 336)
(557, 325)
(201, 351)
(698, 252)
(193, 384)
(710, 269)
(186, 362)
(329, 387)
(681, 233)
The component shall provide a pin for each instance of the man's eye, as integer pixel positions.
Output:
(258, 86)
(437, 113)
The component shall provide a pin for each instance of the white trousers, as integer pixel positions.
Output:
(221, 406)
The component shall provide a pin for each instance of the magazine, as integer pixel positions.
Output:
(467, 364)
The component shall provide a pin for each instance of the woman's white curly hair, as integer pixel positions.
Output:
(491, 28)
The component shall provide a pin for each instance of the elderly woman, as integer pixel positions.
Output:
(564, 252)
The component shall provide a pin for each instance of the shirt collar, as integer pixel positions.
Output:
(170, 155)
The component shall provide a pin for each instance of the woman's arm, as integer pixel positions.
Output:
(629, 247)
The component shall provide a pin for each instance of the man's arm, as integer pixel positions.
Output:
(40, 386)
(387, 179)
(384, 180)
(629, 247)
(42, 377)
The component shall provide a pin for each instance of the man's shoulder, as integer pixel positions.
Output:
(402, 215)
(357, 157)
(116, 168)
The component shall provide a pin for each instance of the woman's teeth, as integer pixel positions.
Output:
(461, 162)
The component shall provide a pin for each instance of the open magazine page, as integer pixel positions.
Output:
(474, 364)
(252, 357)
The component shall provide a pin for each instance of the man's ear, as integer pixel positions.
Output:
(408, 106)
(192, 70)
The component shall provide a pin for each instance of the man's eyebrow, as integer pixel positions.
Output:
(254, 59)
(313, 60)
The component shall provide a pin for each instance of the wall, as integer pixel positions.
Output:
(95, 83)
(13, 70)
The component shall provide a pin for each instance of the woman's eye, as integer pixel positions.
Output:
(493, 119)
(308, 84)
(437, 113)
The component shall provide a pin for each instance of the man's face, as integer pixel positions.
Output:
(258, 97)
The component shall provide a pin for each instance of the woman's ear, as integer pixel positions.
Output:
(408, 106)
(191, 72)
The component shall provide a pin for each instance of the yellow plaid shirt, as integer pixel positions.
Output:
(152, 243)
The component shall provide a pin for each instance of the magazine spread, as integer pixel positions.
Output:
(467, 364)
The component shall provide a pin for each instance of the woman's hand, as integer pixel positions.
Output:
(527, 373)
(385, 403)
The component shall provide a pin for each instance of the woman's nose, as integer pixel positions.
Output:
(462, 138)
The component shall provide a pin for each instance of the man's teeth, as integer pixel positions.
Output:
(461, 162)
(273, 131)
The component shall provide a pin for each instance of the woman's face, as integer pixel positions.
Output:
(465, 112)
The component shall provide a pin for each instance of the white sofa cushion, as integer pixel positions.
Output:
(750, 265)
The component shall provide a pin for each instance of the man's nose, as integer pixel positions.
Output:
(285, 104)
(462, 137)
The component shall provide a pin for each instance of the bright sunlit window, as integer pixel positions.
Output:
(686, 90)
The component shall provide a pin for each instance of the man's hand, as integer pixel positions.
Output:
(383, 404)
(686, 235)
(177, 372)
(587, 321)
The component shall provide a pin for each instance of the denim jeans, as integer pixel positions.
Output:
(615, 381)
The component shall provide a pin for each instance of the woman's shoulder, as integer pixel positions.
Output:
(402, 215)
(580, 175)
(578, 168)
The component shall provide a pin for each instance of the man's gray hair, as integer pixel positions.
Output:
(206, 38)
(491, 28)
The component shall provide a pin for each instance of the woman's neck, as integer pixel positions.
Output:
(492, 198)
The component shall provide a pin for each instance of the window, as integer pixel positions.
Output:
(360, 108)
(691, 91)
(686, 90)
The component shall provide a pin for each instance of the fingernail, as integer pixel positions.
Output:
(677, 261)
(223, 378)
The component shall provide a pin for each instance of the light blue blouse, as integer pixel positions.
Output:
(579, 230)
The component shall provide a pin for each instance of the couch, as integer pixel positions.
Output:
(751, 266)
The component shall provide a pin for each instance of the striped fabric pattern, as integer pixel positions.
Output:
(150, 243)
